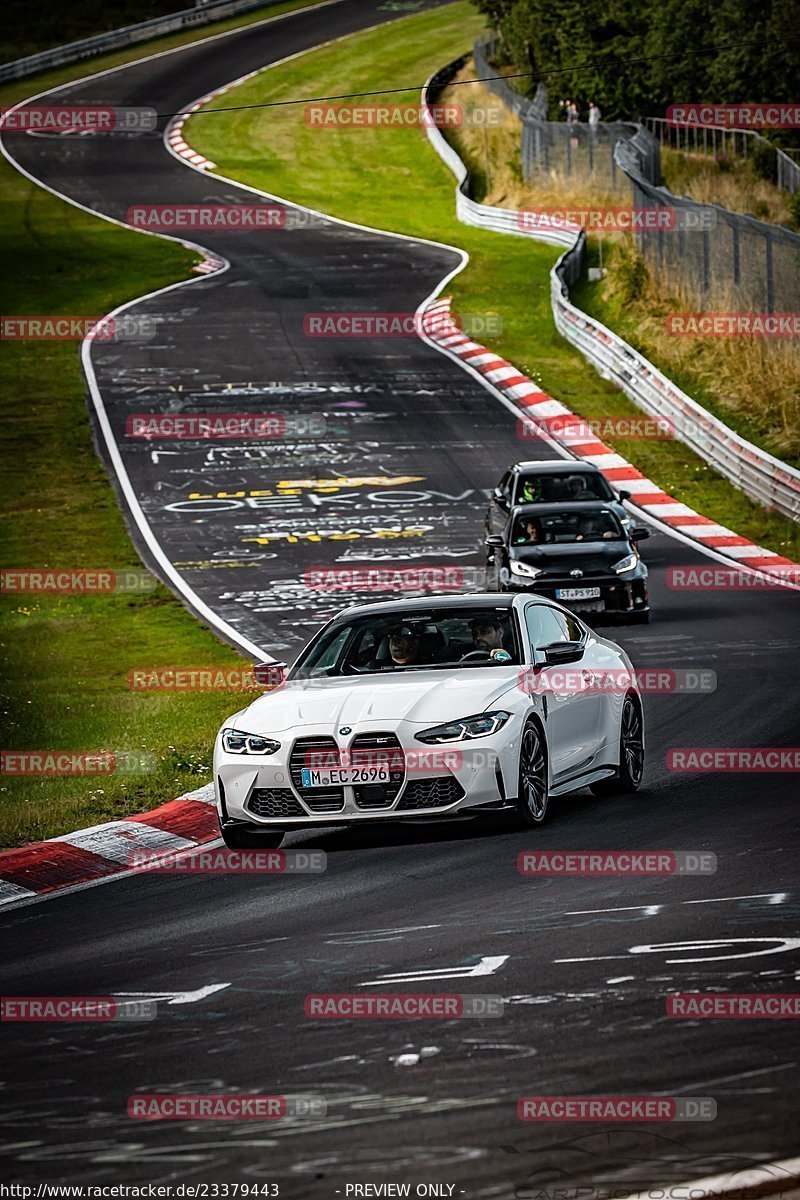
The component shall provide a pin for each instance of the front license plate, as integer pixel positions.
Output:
(343, 776)
(577, 593)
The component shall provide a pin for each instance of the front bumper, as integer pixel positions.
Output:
(618, 596)
(267, 790)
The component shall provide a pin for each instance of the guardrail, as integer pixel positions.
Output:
(760, 475)
(89, 47)
(717, 139)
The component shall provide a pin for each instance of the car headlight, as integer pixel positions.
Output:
(234, 741)
(626, 564)
(465, 729)
(521, 568)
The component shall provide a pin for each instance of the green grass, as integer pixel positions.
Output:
(12, 93)
(65, 660)
(392, 179)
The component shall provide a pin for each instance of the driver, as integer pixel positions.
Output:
(487, 633)
(577, 489)
(587, 529)
(403, 645)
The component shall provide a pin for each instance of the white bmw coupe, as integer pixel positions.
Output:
(429, 708)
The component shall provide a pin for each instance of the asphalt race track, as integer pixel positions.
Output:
(583, 965)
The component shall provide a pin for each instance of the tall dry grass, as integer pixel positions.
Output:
(753, 382)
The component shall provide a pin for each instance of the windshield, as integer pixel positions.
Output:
(550, 488)
(592, 525)
(423, 639)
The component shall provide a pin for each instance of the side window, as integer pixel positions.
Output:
(505, 485)
(331, 654)
(547, 625)
(576, 630)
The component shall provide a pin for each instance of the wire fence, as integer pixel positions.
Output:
(725, 143)
(711, 255)
(757, 473)
(708, 256)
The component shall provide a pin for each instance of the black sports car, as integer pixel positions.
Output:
(577, 553)
(550, 481)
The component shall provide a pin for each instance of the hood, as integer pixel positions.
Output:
(563, 557)
(423, 697)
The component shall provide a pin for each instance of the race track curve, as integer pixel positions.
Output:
(583, 964)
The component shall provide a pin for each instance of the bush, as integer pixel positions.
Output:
(765, 161)
(794, 207)
(631, 280)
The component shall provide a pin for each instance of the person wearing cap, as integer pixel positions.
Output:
(403, 645)
(487, 633)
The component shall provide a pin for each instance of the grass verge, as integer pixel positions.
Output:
(749, 383)
(391, 179)
(65, 660)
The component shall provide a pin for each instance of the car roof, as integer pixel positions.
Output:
(557, 506)
(460, 600)
(549, 466)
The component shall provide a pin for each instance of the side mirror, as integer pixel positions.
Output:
(639, 533)
(562, 652)
(494, 539)
(624, 495)
(269, 675)
(499, 497)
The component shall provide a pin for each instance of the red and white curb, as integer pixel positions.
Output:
(555, 418)
(173, 134)
(92, 854)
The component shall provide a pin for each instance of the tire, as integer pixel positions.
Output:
(237, 838)
(533, 787)
(628, 776)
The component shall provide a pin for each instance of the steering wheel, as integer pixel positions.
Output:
(475, 654)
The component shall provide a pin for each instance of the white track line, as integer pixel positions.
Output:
(179, 584)
(645, 515)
